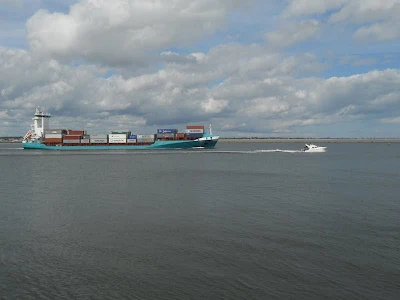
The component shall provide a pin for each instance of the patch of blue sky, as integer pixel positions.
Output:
(215, 83)
(108, 74)
(60, 6)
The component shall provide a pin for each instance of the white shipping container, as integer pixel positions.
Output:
(53, 135)
(117, 141)
(144, 136)
(98, 136)
(117, 136)
(194, 131)
(131, 141)
(98, 141)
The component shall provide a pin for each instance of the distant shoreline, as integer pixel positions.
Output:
(310, 140)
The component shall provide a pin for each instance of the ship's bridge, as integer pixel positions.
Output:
(41, 121)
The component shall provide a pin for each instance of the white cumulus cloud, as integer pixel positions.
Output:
(124, 31)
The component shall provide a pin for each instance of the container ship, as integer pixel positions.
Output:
(41, 136)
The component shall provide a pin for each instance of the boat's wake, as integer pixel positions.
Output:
(262, 151)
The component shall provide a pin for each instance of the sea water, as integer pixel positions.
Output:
(242, 221)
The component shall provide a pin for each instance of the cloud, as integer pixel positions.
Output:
(140, 64)
(380, 32)
(294, 33)
(378, 20)
(259, 89)
(366, 11)
(124, 31)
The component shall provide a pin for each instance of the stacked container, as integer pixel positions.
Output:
(132, 139)
(54, 135)
(166, 133)
(145, 139)
(194, 131)
(117, 138)
(98, 139)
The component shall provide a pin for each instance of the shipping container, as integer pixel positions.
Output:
(194, 130)
(145, 136)
(85, 141)
(165, 135)
(72, 141)
(117, 141)
(98, 136)
(53, 140)
(117, 136)
(85, 136)
(53, 135)
(75, 132)
(164, 131)
(98, 141)
(121, 132)
(131, 141)
(180, 135)
(194, 135)
(132, 137)
(71, 137)
(195, 127)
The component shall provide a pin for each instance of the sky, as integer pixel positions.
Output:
(288, 68)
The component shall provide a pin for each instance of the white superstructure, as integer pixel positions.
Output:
(41, 122)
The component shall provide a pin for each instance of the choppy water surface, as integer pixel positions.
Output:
(243, 221)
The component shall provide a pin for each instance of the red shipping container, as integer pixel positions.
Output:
(180, 135)
(53, 140)
(76, 132)
(194, 127)
(72, 137)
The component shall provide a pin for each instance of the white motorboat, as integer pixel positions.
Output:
(313, 148)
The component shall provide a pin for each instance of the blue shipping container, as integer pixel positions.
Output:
(132, 137)
(162, 131)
